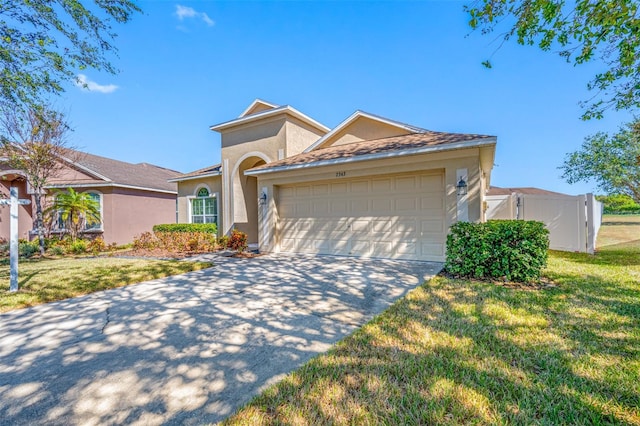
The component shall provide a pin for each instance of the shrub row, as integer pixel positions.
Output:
(511, 250)
(198, 242)
(59, 247)
(180, 241)
(210, 228)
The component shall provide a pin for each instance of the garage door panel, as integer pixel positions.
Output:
(320, 189)
(432, 203)
(360, 206)
(382, 206)
(381, 225)
(288, 244)
(431, 183)
(407, 183)
(406, 204)
(302, 191)
(409, 248)
(360, 247)
(341, 247)
(430, 249)
(386, 216)
(360, 187)
(338, 207)
(381, 185)
(339, 188)
(360, 226)
(382, 249)
(431, 226)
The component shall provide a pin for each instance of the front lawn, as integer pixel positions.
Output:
(46, 280)
(461, 352)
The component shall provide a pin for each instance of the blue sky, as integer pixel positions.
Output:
(187, 65)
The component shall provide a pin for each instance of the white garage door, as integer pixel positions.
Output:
(394, 216)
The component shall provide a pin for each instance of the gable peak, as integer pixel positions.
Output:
(256, 106)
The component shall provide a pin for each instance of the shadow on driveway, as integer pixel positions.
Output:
(187, 349)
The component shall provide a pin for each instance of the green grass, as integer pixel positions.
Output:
(461, 352)
(47, 280)
(619, 232)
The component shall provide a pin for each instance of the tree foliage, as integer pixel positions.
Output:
(613, 162)
(44, 42)
(618, 204)
(579, 31)
(34, 142)
(76, 209)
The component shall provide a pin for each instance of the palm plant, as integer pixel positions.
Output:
(76, 210)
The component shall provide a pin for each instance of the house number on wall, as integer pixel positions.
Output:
(341, 174)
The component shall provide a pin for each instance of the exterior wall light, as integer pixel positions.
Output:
(461, 187)
(263, 199)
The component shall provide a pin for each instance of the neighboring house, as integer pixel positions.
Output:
(132, 197)
(370, 187)
(573, 221)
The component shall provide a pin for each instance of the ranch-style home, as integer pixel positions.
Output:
(370, 187)
(132, 197)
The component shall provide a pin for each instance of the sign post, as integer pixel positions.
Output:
(13, 203)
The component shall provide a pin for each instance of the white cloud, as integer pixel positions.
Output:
(85, 84)
(184, 12)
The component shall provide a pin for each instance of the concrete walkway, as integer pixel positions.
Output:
(188, 349)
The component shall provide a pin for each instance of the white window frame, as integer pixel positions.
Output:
(214, 195)
(101, 227)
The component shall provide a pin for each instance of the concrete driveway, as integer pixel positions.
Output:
(188, 349)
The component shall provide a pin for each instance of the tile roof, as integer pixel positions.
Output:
(209, 170)
(143, 175)
(391, 145)
(495, 190)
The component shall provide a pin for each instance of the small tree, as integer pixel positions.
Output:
(34, 142)
(76, 209)
(611, 161)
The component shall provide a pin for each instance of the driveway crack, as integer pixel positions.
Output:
(107, 320)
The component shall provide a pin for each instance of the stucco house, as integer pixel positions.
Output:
(132, 197)
(370, 187)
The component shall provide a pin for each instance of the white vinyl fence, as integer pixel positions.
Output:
(573, 221)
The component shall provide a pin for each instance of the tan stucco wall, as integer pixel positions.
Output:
(299, 137)
(363, 128)
(449, 161)
(189, 188)
(248, 145)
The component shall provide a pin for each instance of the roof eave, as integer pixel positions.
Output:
(353, 117)
(378, 156)
(206, 175)
(268, 113)
(108, 184)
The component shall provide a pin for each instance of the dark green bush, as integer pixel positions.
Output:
(511, 250)
(78, 247)
(210, 228)
(28, 248)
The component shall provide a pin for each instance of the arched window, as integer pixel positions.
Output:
(204, 207)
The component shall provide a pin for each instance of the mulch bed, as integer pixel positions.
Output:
(166, 254)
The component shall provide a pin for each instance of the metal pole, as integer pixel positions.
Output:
(13, 246)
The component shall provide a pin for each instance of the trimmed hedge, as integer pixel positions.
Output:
(511, 250)
(210, 228)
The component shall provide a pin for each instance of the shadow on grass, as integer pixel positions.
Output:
(458, 352)
(625, 254)
(46, 280)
